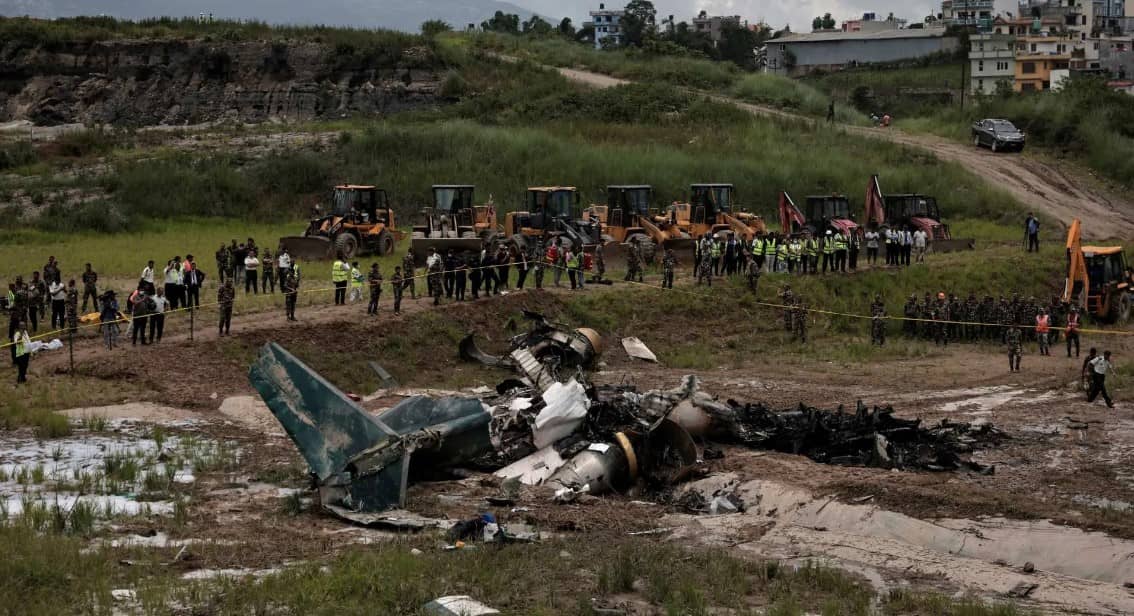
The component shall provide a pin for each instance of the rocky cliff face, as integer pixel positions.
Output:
(145, 83)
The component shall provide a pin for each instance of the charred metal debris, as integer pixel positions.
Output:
(547, 425)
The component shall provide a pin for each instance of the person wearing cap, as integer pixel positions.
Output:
(878, 322)
(1072, 335)
(226, 297)
(356, 282)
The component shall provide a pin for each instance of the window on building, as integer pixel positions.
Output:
(1028, 87)
(782, 47)
(980, 66)
(980, 85)
(1096, 45)
(1028, 68)
(1033, 47)
(980, 46)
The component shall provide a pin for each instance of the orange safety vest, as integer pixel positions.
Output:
(1042, 323)
(1073, 322)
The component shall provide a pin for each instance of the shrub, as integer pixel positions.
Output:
(16, 154)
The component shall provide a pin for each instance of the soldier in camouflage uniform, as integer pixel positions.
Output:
(878, 321)
(398, 285)
(972, 317)
(799, 320)
(539, 264)
(753, 274)
(669, 264)
(71, 312)
(600, 264)
(17, 310)
(633, 261)
(374, 281)
(956, 314)
(408, 274)
(1013, 337)
(987, 317)
(941, 315)
(222, 263)
(434, 281)
(928, 326)
(705, 264)
(37, 295)
(787, 298)
(289, 286)
(910, 312)
(226, 296)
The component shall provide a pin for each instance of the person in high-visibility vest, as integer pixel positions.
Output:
(1043, 328)
(810, 254)
(781, 254)
(828, 252)
(758, 250)
(715, 255)
(770, 252)
(795, 256)
(340, 274)
(840, 252)
(22, 344)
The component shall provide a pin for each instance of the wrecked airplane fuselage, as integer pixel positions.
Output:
(362, 462)
(543, 353)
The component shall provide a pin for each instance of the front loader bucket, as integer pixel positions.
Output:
(458, 245)
(307, 248)
(953, 245)
(683, 248)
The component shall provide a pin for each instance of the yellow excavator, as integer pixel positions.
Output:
(627, 219)
(711, 210)
(1098, 280)
(360, 222)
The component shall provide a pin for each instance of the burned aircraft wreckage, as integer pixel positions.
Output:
(547, 425)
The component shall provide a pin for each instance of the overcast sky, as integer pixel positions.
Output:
(798, 13)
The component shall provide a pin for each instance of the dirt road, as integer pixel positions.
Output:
(1039, 186)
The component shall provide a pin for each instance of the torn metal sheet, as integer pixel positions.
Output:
(534, 469)
(394, 519)
(542, 352)
(598, 469)
(637, 349)
(361, 463)
(565, 409)
(385, 378)
(458, 605)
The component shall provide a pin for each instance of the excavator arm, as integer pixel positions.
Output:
(1078, 282)
(789, 213)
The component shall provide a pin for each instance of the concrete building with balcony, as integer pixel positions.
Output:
(1037, 56)
(992, 61)
(608, 26)
(976, 13)
(712, 25)
(799, 54)
(870, 23)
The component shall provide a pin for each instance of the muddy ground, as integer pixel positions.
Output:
(1060, 496)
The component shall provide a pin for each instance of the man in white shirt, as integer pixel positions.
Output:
(148, 276)
(58, 294)
(907, 246)
(284, 263)
(1100, 366)
(252, 273)
(921, 244)
(157, 319)
(872, 246)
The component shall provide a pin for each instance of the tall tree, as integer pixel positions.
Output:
(638, 22)
(828, 21)
(508, 23)
(566, 28)
(817, 23)
(434, 27)
(536, 26)
(738, 44)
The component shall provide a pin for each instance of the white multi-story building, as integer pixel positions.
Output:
(608, 26)
(992, 60)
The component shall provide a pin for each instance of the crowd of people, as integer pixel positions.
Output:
(466, 275)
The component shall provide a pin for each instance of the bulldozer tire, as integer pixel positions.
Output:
(346, 246)
(385, 243)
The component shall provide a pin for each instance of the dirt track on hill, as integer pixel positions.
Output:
(1039, 186)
